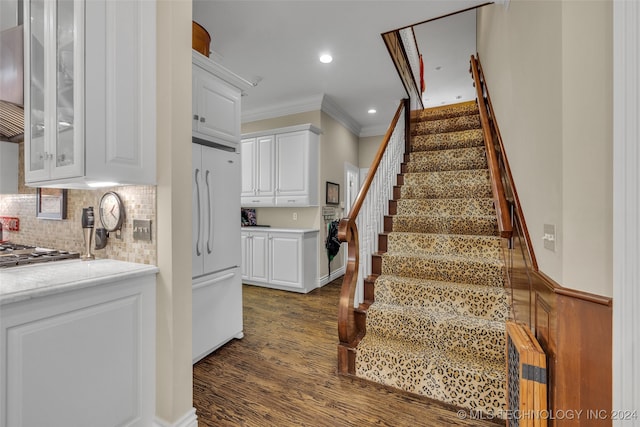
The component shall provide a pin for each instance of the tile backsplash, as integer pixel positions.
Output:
(139, 203)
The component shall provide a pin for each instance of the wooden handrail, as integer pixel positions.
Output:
(508, 176)
(348, 331)
(499, 199)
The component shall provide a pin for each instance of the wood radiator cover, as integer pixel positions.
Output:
(526, 378)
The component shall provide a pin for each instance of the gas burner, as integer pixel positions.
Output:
(8, 246)
(12, 255)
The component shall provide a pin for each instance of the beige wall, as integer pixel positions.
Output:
(337, 146)
(174, 369)
(548, 67)
(367, 149)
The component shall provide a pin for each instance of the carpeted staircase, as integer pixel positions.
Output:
(437, 323)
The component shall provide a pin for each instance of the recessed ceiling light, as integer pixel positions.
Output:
(372, 111)
(325, 58)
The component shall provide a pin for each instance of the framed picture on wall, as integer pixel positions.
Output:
(51, 203)
(333, 193)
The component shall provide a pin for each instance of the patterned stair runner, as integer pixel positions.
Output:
(437, 325)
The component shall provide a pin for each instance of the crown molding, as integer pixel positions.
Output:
(311, 103)
(332, 109)
(221, 71)
(320, 102)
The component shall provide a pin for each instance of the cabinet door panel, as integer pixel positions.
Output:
(292, 152)
(68, 135)
(265, 184)
(245, 248)
(286, 252)
(248, 154)
(259, 257)
(34, 90)
(218, 108)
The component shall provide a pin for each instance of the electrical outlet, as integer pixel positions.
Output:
(295, 216)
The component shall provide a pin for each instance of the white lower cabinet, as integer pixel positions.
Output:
(255, 261)
(80, 358)
(280, 258)
(216, 311)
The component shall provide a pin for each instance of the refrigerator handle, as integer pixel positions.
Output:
(198, 253)
(210, 236)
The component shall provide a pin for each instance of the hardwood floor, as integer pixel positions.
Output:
(283, 373)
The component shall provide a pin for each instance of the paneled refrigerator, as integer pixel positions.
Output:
(215, 270)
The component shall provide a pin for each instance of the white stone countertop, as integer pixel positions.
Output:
(39, 280)
(280, 230)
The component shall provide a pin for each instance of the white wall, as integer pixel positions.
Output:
(587, 149)
(548, 69)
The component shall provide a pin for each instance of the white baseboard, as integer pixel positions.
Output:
(190, 419)
(334, 275)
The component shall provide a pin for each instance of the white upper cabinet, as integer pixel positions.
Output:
(280, 167)
(216, 108)
(90, 95)
(258, 180)
(297, 171)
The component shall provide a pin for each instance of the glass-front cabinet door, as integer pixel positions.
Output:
(54, 106)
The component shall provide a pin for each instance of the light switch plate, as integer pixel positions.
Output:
(549, 237)
(142, 229)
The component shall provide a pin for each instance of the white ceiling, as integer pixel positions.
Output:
(277, 44)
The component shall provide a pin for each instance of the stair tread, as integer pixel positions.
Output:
(447, 224)
(464, 173)
(452, 110)
(447, 140)
(433, 282)
(438, 316)
(482, 301)
(445, 216)
(417, 350)
(492, 260)
(471, 244)
(478, 337)
(495, 239)
(450, 159)
(464, 122)
(445, 377)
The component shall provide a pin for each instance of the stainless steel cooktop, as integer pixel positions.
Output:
(13, 255)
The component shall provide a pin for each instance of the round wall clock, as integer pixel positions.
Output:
(111, 211)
